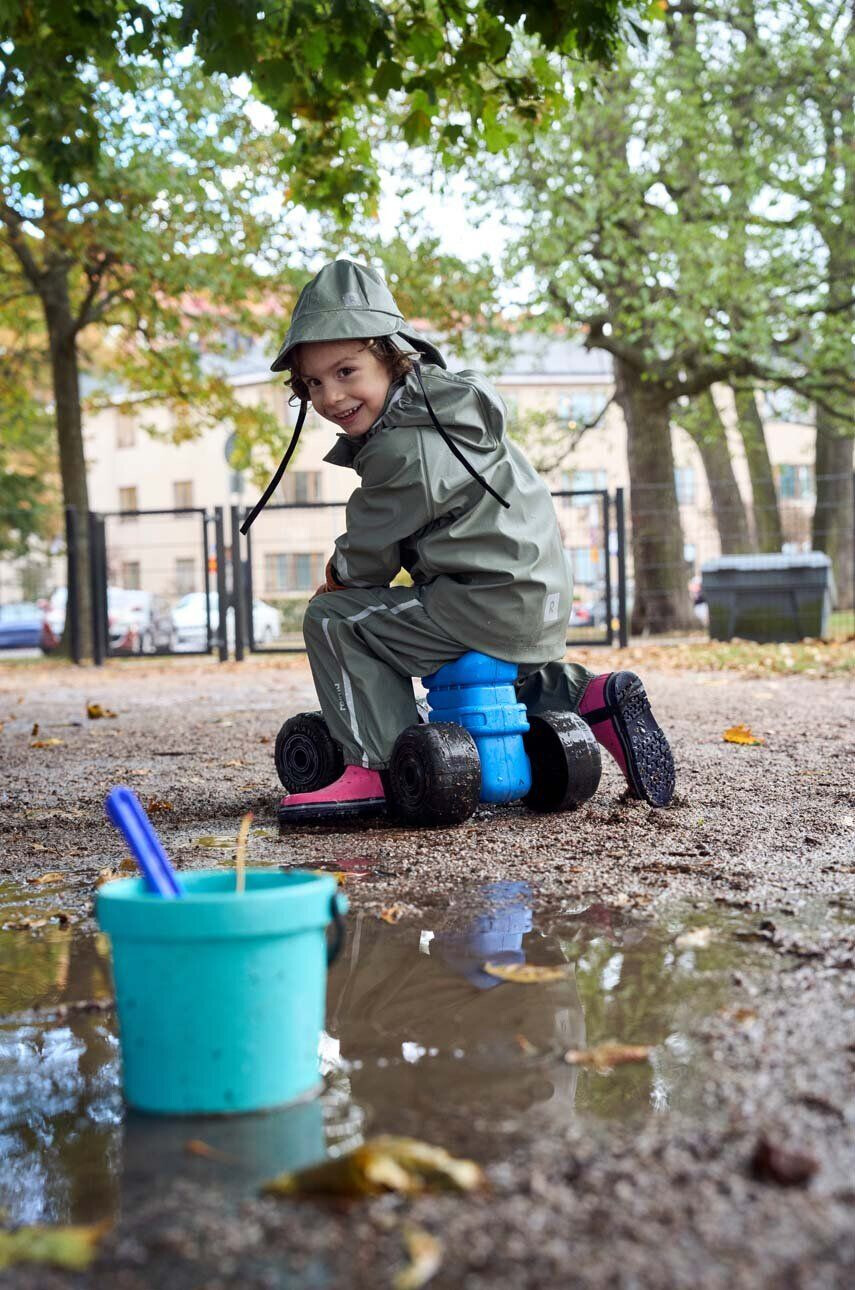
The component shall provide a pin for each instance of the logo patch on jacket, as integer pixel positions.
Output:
(551, 606)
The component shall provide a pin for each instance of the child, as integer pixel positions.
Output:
(446, 496)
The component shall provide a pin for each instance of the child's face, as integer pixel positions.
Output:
(347, 383)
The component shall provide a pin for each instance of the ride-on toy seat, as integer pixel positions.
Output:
(479, 744)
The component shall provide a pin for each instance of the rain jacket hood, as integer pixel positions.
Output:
(348, 301)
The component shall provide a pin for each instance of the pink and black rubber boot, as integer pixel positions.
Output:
(357, 792)
(616, 707)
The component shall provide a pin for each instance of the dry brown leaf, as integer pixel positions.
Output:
(234, 763)
(72, 1248)
(94, 712)
(26, 924)
(696, 938)
(196, 1147)
(425, 1254)
(157, 804)
(391, 914)
(46, 743)
(35, 729)
(385, 1163)
(529, 973)
(138, 773)
(772, 1162)
(45, 878)
(604, 1057)
(741, 735)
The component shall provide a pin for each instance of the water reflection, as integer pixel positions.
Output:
(419, 1040)
(429, 1044)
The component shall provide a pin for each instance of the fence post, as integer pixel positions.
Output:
(98, 584)
(222, 628)
(607, 561)
(72, 603)
(250, 593)
(237, 585)
(620, 519)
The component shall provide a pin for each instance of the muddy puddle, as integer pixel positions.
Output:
(420, 1039)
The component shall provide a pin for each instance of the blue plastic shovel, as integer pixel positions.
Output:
(125, 810)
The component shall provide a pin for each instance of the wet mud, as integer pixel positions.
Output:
(715, 937)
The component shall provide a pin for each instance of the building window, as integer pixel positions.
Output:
(126, 434)
(585, 564)
(796, 483)
(579, 408)
(131, 575)
(301, 486)
(128, 500)
(287, 571)
(182, 494)
(586, 481)
(185, 576)
(276, 572)
(684, 482)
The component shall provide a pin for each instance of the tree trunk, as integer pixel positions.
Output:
(767, 519)
(833, 529)
(702, 422)
(72, 462)
(661, 599)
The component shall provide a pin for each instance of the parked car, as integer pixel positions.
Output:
(189, 628)
(138, 622)
(580, 615)
(21, 625)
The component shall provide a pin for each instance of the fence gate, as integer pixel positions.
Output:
(276, 568)
(178, 551)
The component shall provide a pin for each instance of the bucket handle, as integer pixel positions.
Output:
(335, 944)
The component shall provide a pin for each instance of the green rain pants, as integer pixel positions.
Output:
(366, 645)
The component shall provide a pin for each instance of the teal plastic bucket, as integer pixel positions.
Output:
(220, 996)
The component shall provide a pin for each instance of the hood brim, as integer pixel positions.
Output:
(370, 325)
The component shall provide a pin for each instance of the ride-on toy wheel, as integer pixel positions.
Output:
(565, 761)
(434, 775)
(306, 755)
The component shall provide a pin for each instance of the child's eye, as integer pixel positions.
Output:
(345, 371)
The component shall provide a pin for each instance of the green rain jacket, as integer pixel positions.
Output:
(495, 579)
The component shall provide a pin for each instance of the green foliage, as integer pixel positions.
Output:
(320, 65)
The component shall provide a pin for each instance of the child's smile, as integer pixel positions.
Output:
(346, 382)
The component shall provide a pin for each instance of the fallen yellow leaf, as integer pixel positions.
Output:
(385, 1163)
(94, 711)
(425, 1254)
(196, 1147)
(392, 914)
(606, 1056)
(696, 938)
(72, 1248)
(45, 878)
(741, 735)
(529, 973)
(46, 743)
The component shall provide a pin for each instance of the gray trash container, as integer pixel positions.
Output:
(768, 597)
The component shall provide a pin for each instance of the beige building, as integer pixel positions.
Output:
(561, 383)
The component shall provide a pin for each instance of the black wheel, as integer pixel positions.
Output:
(434, 775)
(306, 755)
(565, 761)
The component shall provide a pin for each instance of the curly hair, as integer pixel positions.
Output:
(384, 350)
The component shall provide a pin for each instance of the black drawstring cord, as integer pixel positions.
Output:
(453, 446)
(280, 470)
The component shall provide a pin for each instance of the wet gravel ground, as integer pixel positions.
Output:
(664, 1200)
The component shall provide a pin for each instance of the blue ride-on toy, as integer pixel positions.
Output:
(478, 745)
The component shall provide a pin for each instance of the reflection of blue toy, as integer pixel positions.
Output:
(479, 744)
(494, 936)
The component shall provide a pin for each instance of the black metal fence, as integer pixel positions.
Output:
(185, 581)
(208, 589)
